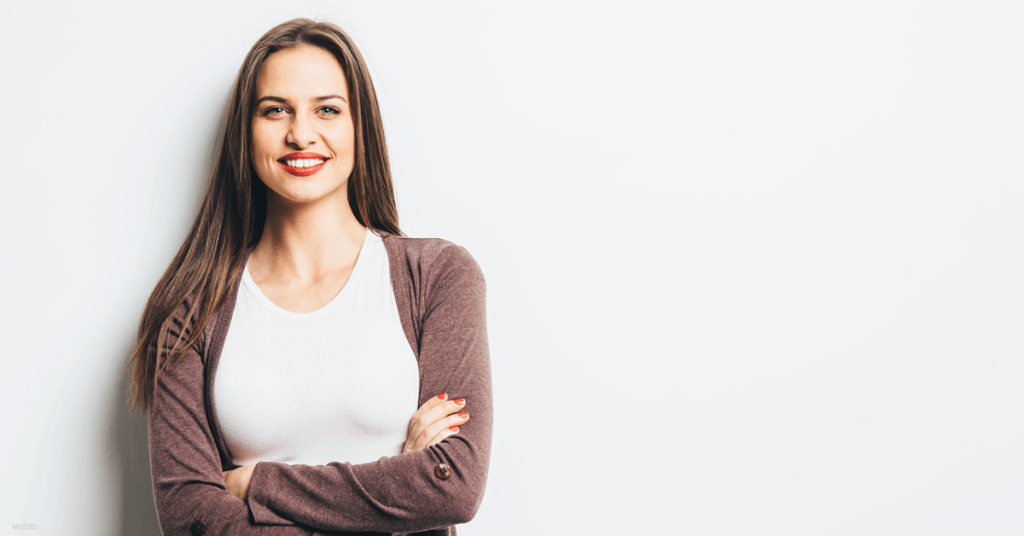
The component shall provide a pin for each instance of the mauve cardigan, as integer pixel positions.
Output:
(439, 291)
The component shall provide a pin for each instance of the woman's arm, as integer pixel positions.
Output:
(188, 483)
(439, 486)
(434, 422)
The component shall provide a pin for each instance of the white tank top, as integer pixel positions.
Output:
(338, 384)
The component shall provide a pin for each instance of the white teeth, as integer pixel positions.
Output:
(305, 162)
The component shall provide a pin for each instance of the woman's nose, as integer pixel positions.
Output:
(300, 132)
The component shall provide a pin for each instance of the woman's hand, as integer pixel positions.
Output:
(237, 480)
(436, 419)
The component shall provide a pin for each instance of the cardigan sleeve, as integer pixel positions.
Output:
(431, 488)
(188, 483)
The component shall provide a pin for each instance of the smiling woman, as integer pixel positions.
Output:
(355, 355)
(303, 104)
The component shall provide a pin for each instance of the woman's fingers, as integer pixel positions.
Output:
(434, 433)
(432, 416)
(443, 428)
(432, 423)
(451, 430)
(425, 426)
(428, 405)
(430, 412)
(431, 403)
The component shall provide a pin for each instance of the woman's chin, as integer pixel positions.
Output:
(310, 195)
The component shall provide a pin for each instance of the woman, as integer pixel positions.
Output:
(354, 357)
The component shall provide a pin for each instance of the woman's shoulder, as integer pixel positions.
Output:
(431, 255)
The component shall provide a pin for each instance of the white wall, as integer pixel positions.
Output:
(752, 269)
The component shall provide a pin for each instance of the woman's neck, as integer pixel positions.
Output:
(302, 242)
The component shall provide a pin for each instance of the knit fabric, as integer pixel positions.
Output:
(439, 291)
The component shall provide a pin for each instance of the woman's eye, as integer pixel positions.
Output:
(330, 110)
(273, 110)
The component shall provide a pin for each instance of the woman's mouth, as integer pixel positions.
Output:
(302, 164)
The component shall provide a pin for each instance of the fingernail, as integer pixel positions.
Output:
(453, 428)
(442, 396)
(460, 401)
(464, 414)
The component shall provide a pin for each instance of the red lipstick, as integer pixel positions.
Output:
(305, 163)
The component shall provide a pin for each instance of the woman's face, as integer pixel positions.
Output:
(302, 133)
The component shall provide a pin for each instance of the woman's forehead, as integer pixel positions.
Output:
(301, 73)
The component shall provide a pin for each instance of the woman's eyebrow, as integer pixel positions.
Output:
(329, 97)
(270, 98)
(283, 101)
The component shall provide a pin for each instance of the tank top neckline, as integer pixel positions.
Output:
(254, 289)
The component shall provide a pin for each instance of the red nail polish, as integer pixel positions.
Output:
(453, 428)
(460, 401)
(464, 414)
(442, 396)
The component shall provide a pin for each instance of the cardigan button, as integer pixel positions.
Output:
(198, 527)
(442, 471)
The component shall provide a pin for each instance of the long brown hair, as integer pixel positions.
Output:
(234, 208)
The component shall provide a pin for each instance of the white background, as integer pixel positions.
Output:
(753, 268)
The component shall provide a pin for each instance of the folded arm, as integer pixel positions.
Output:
(439, 486)
(188, 483)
